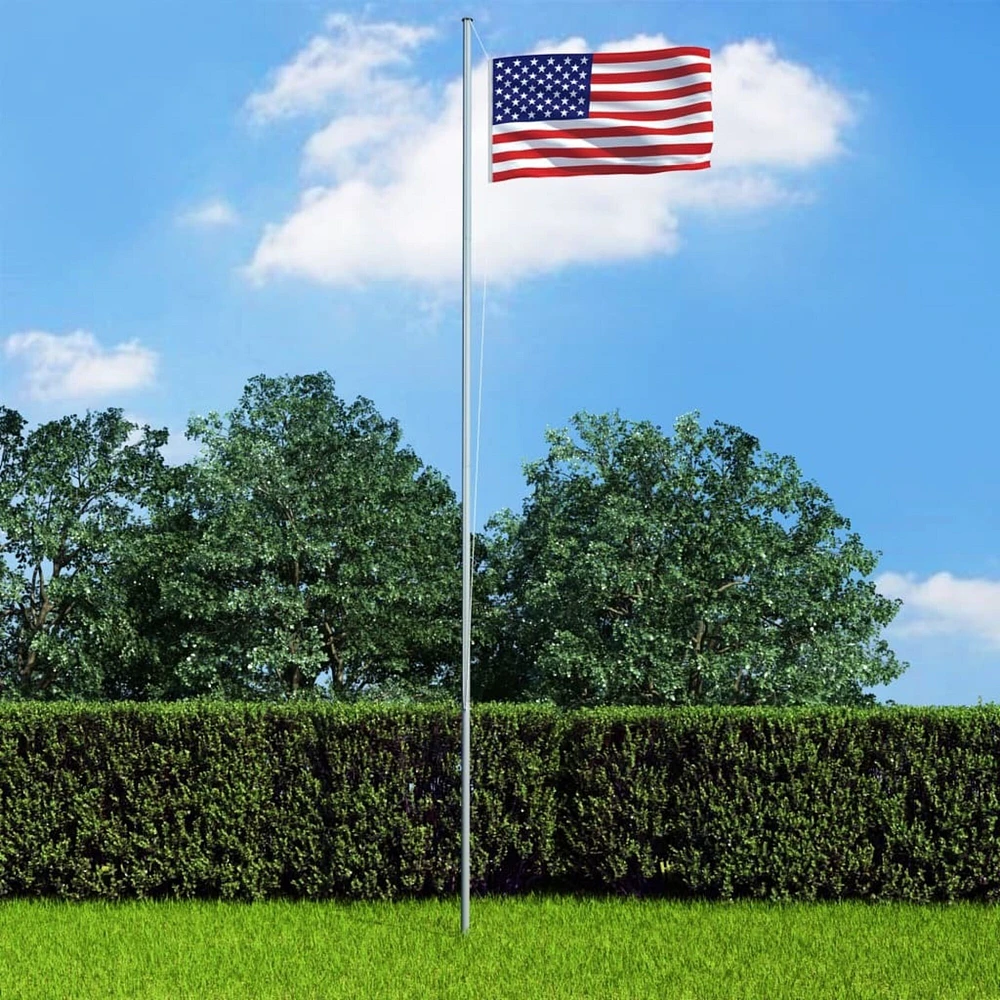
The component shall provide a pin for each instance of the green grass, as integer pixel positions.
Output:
(528, 947)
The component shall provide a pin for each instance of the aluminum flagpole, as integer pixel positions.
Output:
(466, 379)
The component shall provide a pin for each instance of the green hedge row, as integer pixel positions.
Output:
(316, 801)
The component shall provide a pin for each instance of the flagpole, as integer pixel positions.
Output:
(466, 379)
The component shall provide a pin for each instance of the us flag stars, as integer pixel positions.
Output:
(541, 88)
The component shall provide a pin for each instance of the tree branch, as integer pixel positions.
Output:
(341, 673)
(699, 635)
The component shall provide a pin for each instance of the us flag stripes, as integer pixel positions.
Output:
(600, 113)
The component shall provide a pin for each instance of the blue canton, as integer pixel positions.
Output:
(541, 88)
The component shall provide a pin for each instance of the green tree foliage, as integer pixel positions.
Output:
(696, 570)
(305, 542)
(70, 493)
(302, 540)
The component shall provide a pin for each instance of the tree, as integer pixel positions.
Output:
(303, 541)
(70, 491)
(645, 570)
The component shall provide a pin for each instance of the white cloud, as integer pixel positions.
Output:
(341, 147)
(212, 213)
(347, 64)
(945, 605)
(178, 448)
(75, 366)
(390, 207)
(772, 112)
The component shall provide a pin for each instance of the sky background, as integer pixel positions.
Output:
(192, 194)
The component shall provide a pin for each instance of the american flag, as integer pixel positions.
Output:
(556, 115)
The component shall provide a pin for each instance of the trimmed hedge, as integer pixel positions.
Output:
(318, 801)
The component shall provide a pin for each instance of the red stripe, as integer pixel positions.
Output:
(604, 152)
(650, 74)
(525, 135)
(651, 54)
(650, 95)
(594, 168)
(652, 116)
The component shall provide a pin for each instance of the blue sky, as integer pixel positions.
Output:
(195, 193)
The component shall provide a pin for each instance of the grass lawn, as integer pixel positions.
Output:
(528, 947)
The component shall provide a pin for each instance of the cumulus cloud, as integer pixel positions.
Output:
(772, 112)
(180, 450)
(344, 145)
(212, 213)
(75, 366)
(177, 451)
(945, 605)
(387, 202)
(351, 63)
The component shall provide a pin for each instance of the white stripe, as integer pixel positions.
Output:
(602, 142)
(613, 107)
(674, 84)
(586, 123)
(572, 161)
(654, 105)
